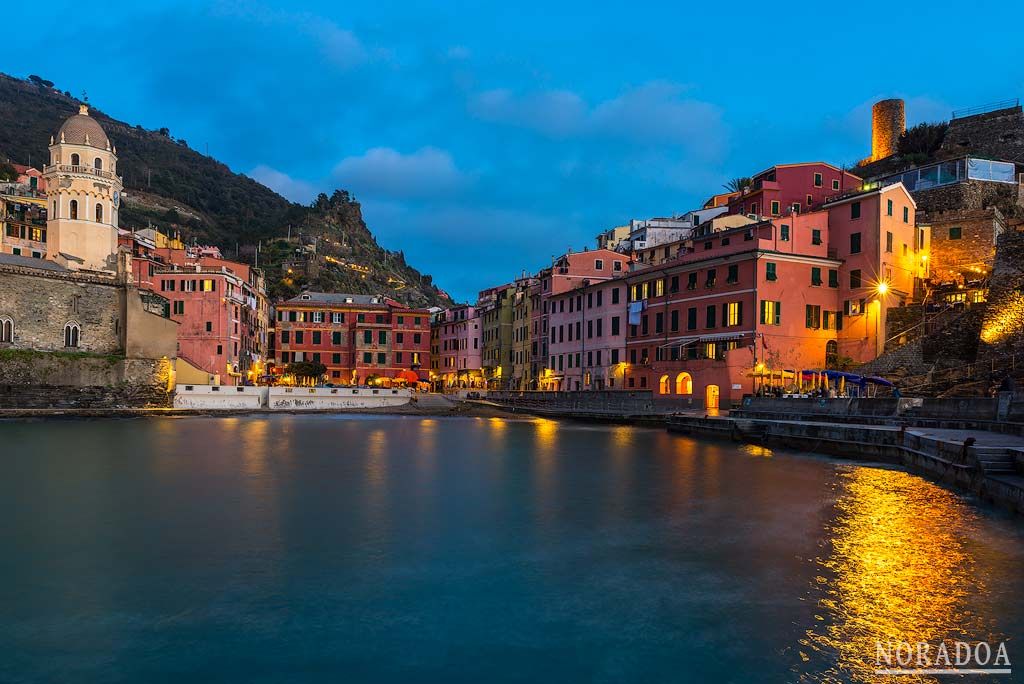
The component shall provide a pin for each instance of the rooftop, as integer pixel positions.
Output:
(30, 262)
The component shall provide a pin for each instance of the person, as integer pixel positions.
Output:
(896, 392)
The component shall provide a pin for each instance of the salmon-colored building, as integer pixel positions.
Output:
(743, 307)
(587, 337)
(455, 357)
(787, 188)
(358, 338)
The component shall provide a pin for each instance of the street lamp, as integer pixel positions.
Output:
(882, 288)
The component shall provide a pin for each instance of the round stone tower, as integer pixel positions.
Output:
(888, 121)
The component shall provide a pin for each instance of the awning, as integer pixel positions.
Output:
(713, 337)
(408, 376)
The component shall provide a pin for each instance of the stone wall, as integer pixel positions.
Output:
(42, 303)
(1002, 330)
(967, 195)
(994, 135)
(31, 379)
(964, 242)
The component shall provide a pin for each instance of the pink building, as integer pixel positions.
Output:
(587, 337)
(744, 307)
(785, 188)
(569, 271)
(457, 348)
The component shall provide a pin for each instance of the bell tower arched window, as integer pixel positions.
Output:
(99, 213)
(73, 209)
(75, 160)
(71, 334)
(97, 163)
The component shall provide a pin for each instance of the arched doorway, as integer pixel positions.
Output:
(663, 385)
(711, 397)
(684, 384)
(831, 354)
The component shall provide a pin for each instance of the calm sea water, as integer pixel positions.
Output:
(400, 549)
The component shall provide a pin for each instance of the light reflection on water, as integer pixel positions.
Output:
(896, 566)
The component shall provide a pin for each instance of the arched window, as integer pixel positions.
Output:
(99, 213)
(97, 163)
(831, 354)
(6, 330)
(663, 385)
(71, 334)
(75, 160)
(684, 384)
(73, 208)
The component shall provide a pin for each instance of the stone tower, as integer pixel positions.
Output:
(888, 121)
(84, 196)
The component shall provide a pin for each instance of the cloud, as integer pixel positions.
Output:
(283, 184)
(651, 114)
(385, 172)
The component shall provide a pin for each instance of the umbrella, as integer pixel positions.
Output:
(409, 376)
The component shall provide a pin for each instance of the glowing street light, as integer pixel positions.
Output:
(883, 287)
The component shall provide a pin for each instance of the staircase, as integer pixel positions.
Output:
(1001, 462)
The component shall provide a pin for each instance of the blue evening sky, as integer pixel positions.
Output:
(482, 138)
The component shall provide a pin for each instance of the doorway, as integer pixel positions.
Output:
(711, 397)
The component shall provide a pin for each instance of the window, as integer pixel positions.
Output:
(833, 277)
(835, 184)
(816, 236)
(784, 232)
(733, 313)
(691, 318)
(691, 281)
(710, 316)
(179, 308)
(367, 337)
(712, 276)
(813, 316)
(97, 164)
(382, 357)
(73, 209)
(99, 213)
(72, 332)
(209, 327)
(318, 316)
(955, 232)
(775, 207)
(615, 293)
(674, 286)
(285, 334)
(855, 279)
(725, 242)
(674, 320)
(598, 264)
(336, 338)
(367, 357)
(317, 337)
(888, 241)
(854, 243)
(888, 207)
(76, 160)
(298, 337)
(382, 337)
(615, 325)
(753, 207)
(209, 285)
(853, 307)
(6, 330)
(659, 287)
(769, 271)
(815, 276)
(771, 312)
(906, 214)
(817, 180)
(855, 210)
(734, 274)
(831, 353)
(659, 322)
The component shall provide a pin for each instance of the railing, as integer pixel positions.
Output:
(982, 109)
(86, 170)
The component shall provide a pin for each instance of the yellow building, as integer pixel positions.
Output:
(84, 196)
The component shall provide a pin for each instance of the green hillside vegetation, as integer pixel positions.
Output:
(178, 190)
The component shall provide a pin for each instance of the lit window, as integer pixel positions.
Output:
(734, 313)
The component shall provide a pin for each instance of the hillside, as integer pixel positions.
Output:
(170, 186)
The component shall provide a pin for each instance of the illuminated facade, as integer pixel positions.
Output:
(359, 338)
(785, 188)
(804, 291)
(456, 350)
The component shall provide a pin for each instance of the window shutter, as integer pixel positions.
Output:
(778, 312)
(739, 313)
(839, 320)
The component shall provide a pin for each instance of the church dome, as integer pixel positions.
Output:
(82, 129)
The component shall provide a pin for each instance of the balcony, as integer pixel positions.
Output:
(80, 170)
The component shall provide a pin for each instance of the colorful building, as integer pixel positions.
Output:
(495, 306)
(744, 308)
(787, 188)
(455, 348)
(24, 225)
(587, 337)
(361, 339)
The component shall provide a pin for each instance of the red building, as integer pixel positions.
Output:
(748, 306)
(357, 337)
(221, 306)
(785, 188)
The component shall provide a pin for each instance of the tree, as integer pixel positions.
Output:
(7, 172)
(40, 81)
(306, 369)
(923, 139)
(737, 184)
